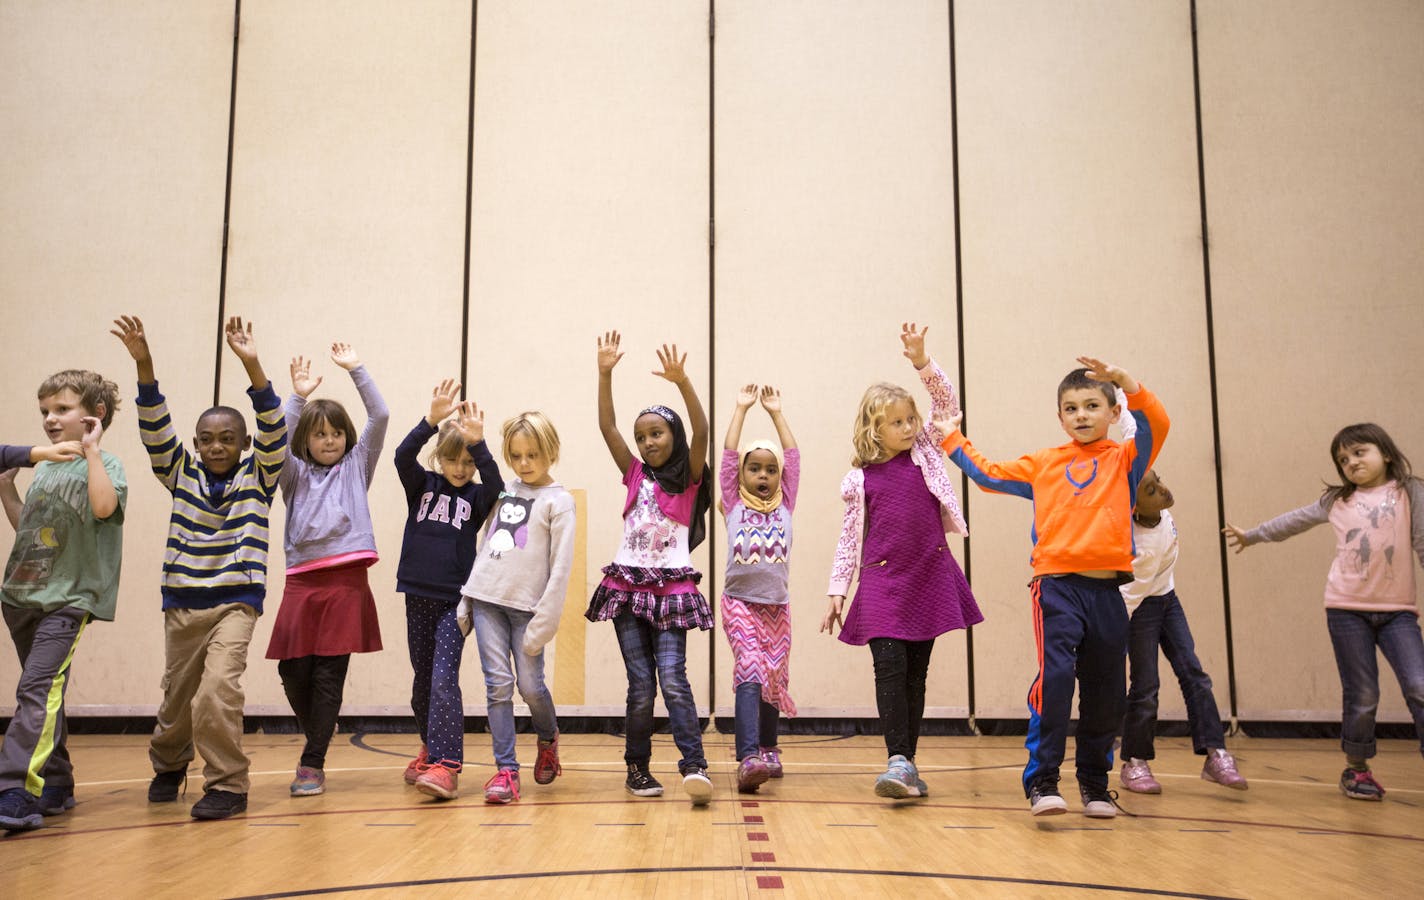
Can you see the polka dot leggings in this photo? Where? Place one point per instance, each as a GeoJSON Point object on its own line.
{"type": "Point", "coordinates": [436, 647]}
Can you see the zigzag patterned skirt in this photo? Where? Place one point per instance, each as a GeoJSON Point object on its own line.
{"type": "Point", "coordinates": [760, 635]}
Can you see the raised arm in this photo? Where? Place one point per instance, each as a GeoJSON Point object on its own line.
{"type": "Point", "coordinates": [771, 402]}
{"type": "Point", "coordinates": [129, 329]}
{"type": "Point", "coordinates": [471, 423]}
{"type": "Point", "coordinates": [10, 497]}
{"type": "Point", "coordinates": [244, 346]}
{"type": "Point", "coordinates": [443, 401]}
{"type": "Point", "coordinates": [608, 356]}
{"type": "Point", "coordinates": [378, 415]}
{"type": "Point", "coordinates": [745, 398]}
{"type": "Point", "coordinates": [103, 496]}
{"type": "Point", "coordinates": [674, 369]}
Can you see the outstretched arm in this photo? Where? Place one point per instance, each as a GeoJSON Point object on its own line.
{"type": "Point", "coordinates": [244, 347]}
{"type": "Point", "coordinates": [745, 398]}
{"type": "Point", "coordinates": [129, 329]}
{"type": "Point", "coordinates": [608, 356]}
{"type": "Point", "coordinates": [674, 370]}
{"type": "Point", "coordinates": [771, 402]}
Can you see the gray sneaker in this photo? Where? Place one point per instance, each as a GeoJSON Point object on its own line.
{"type": "Point", "coordinates": [900, 780]}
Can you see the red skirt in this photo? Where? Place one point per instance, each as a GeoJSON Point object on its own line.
{"type": "Point", "coordinates": [326, 612]}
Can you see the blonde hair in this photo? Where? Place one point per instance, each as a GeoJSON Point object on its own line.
{"type": "Point", "coordinates": [871, 416]}
{"type": "Point", "coordinates": [449, 444]}
{"type": "Point", "coordinates": [537, 427]}
{"type": "Point", "coordinates": [93, 389]}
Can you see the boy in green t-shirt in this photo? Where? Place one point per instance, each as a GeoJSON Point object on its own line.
{"type": "Point", "coordinates": [63, 572]}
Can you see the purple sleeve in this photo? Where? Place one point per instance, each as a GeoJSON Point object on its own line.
{"type": "Point", "coordinates": [13, 457]}
{"type": "Point", "coordinates": [790, 478]}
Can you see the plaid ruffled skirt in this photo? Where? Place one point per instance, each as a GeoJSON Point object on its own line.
{"type": "Point", "coordinates": [664, 598]}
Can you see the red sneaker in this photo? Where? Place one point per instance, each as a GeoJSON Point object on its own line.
{"type": "Point", "coordinates": [546, 764]}
{"type": "Point", "coordinates": [416, 766]}
{"type": "Point", "coordinates": [503, 787]}
{"type": "Point", "coordinates": [439, 781]}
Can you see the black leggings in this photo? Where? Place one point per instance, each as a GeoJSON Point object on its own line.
{"type": "Point", "coordinates": [314, 686]}
{"type": "Point", "coordinates": [900, 671]}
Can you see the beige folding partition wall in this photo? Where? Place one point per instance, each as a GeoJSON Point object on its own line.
{"type": "Point", "coordinates": [1081, 235]}
{"type": "Point", "coordinates": [115, 124]}
{"type": "Point", "coordinates": [834, 225]}
{"type": "Point", "coordinates": [1315, 179]}
{"type": "Point", "coordinates": [590, 214]}
{"type": "Point", "coordinates": [348, 193]}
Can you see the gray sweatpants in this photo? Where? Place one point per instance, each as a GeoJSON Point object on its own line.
{"type": "Point", "coordinates": [34, 754]}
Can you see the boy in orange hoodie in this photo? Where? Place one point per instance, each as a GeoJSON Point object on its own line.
{"type": "Point", "coordinates": [1082, 494]}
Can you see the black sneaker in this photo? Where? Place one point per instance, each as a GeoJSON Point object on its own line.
{"type": "Point", "coordinates": [1098, 802]}
{"type": "Point", "coordinates": [641, 783]}
{"type": "Point", "coordinates": [56, 800]}
{"type": "Point", "coordinates": [219, 805]}
{"type": "Point", "coordinates": [164, 786]}
{"type": "Point", "coordinates": [1044, 799]}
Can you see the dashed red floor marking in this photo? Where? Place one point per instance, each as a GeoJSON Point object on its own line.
{"type": "Point", "coordinates": [763, 857]}
{"type": "Point", "coordinates": [749, 804]}
{"type": "Point", "coordinates": [753, 820]}
{"type": "Point", "coordinates": [758, 836]}
{"type": "Point", "coordinates": [769, 882]}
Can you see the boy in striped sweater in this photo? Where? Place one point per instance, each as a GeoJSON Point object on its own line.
{"type": "Point", "coordinates": [214, 571]}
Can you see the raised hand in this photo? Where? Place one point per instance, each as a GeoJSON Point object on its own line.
{"type": "Point", "coordinates": [914, 340]}
{"type": "Point", "coordinates": [608, 354]}
{"type": "Point", "coordinates": [60, 452]}
{"type": "Point", "coordinates": [443, 401]}
{"type": "Point", "coordinates": [1235, 537]}
{"type": "Point", "coordinates": [747, 396]}
{"type": "Point", "coordinates": [344, 355]}
{"type": "Point", "coordinates": [240, 339]}
{"type": "Point", "coordinates": [129, 329]}
{"type": "Point", "coordinates": [302, 382]}
{"type": "Point", "coordinates": [471, 422]}
{"type": "Point", "coordinates": [948, 425]}
{"type": "Point", "coordinates": [93, 433]}
{"type": "Point", "coordinates": [672, 364]}
{"type": "Point", "coordinates": [770, 399]}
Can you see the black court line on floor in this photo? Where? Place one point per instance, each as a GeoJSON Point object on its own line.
{"type": "Point", "coordinates": [749, 870]}
{"type": "Point", "coordinates": [432, 806]}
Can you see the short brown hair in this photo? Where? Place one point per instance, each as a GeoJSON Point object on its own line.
{"type": "Point", "coordinates": [93, 389]}
{"type": "Point", "coordinates": [313, 414]}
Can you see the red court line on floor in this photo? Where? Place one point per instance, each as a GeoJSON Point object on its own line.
{"type": "Point", "coordinates": [763, 857]}
{"type": "Point", "coordinates": [769, 882]}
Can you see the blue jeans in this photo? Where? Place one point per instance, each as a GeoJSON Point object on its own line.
{"type": "Point", "coordinates": [1160, 621]}
{"type": "Point", "coordinates": [650, 656]}
{"type": "Point", "coordinates": [756, 721]}
{"type": "Point", "coordinates": [499, 632]}
{"type": "Point", "coordinates": [1355, 636]}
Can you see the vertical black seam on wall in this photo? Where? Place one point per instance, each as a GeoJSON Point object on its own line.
{"type": "Point", "coordinates": [1211, 367]}
{"type": "Point", "coordinates": [469, 203]}
{"type": "Point", "coordinates": [711, 336]}
{"type": "Point", "coordinates": [959, 330]}
{"type": "Point", "coordinates": [227, 201]}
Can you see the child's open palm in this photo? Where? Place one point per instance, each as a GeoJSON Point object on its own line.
{"type": "Point", "coordinates": [608, 354]}
{"type": "Point", "coordinates": [129, 329]}
{"type": "Point", "coordinates": [240, 339]}
{"type": "Point", "coordinates": [949, 424]}
{"type": "Point", "coordinates": [747, 396]}
{"type": "Point", "coordinates": [673, 364]}
{"type": "Point", "coordinates": [914, 340]}
{"type": "Point", "coordinates": [770, 399]}
{"type": "Point", "coordinates": [344, 355]}
{"type": "Point", "coordinates": [471, 423]}
{"type": "Point", "coordinates": [443, 401]}
{"type": "Point", "coordinates": [302, 381]}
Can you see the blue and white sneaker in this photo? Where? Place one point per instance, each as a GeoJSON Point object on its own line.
{"type": "Point", "coordinates": [19, 810]}
{"type": "Point", "coordinates": [56, 800]}
{"type": "Point", "coordinates": [900, 780]}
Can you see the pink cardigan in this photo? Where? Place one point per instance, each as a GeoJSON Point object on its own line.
{"type": "Point", "coordinates": [926, 454]}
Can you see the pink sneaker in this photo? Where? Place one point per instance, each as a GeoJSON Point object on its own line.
{"type": "Point", "coordinates": [503, 787]}
{"type": "Point", "coordinates": [1137, 777]}
{"type": "Point", "coordinates": [772, 757]}
{"type": "Point", "coordinates": [1221, 768]}
{"type": "Point", "coordinates": [752, 774]}
{"type": "Point", "coordinates": [439, 781]}
{"type": "Point", "coordinates": [417, 765]}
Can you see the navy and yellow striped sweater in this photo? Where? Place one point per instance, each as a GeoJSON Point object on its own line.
{"type": "Point", "coordinates": [217, 548]}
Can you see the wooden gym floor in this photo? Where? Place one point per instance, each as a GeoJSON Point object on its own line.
{"type": "Point", "coordinates": [819, 832]}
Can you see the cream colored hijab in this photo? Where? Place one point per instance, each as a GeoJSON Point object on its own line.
{"type": "Point", "coordinates": [750, 500]}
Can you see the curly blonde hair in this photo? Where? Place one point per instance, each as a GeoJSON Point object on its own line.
{"type": "Point", "coordinates": [871, 416]}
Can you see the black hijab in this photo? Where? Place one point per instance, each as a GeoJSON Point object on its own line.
{"type": "Point", "coordinates": [675, 475]}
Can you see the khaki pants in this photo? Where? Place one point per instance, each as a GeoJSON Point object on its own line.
{"type": "Point", "coordinates": [206, 652]}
